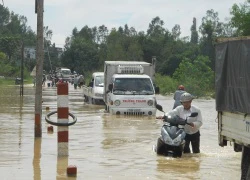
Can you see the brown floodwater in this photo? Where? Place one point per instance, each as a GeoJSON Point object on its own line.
{"type": "Point", "coordinates": [103, 146]}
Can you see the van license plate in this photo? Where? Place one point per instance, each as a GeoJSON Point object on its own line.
{"type": "Point", "coordinates": [134, 110]}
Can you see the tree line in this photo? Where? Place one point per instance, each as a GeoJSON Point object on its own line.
{"type": "Point", "coordinates": [180, 60]}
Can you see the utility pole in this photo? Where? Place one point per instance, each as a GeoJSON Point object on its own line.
{"type": "Point", "coordinates": [39, 67]}
{"type": "Point", "coordinates": [22, 59]}
{"type": "Point", "coordinates": [154, 65]}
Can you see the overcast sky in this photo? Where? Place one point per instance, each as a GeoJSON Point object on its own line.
{"type": "Point", "coordinates": [61, 16]}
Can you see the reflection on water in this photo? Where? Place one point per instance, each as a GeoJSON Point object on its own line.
{"type": "Point", "coordinates": [37, 157]}
{"type": "Point", "coordinates": [103, 146]}
{"type": "Point", "coordinates": [185, 167]}
{"type": "Point", "coordinates": [62, 164]}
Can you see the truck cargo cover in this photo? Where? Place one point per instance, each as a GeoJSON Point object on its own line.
{"type": "Point", "coordinates": [232, 76]}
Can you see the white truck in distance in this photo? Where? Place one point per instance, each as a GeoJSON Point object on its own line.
{"type": "Point", "coordinates": [93, 92]}
{"type": "Point", "coordinates": [64, 73]}
{"type": "Point", "coordinates": [129, 88]}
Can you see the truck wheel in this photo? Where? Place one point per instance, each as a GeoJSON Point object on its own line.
{"type": "Point", "coordinates": [85, 98]}
{"type": "Point", "coordinates": [237, 147]}
{"type": "Point", "coordinates": [245, 165]}
{"type": "Point", "coordinates": [248, 173]}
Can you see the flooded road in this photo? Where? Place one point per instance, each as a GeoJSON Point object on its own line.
{"type": "Point", "coordinates": [103, 146]}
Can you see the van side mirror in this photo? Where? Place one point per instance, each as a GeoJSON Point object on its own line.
{"type": "Point", "coordinates": [110, 87]}
{"type": "Point", "coordinates": [157, 90]}
{"type": "Point", "coordinates": [91, 84]}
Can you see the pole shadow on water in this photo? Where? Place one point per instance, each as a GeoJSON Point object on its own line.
{"type": "Point", "coordinates": [37, 158]}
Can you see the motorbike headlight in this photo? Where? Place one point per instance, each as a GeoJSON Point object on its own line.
{"type": "Point", "coordinates": [150, 102]}
{"type": "Point", "coordinates": [117, 102]}
{"type": "Point", "coordinates": [167, 139]}
{"type": "Point", "coordinates": [177, 140]}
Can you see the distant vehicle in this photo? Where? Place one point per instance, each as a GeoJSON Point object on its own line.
{"type": "Point", "coordinates": [93, 92]}
{"type": "Point", "coordinates": [64, 73]}
{"type": "Point", "coordinates": [18, 81]}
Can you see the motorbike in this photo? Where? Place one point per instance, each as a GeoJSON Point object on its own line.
{"type": "Point", "coordinates": [172, 139]}
{"type": "Point", "coordinates": [18, 81]}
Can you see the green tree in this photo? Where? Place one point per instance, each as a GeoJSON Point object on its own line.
{"type": "Point", "coordinates": [156, 28]}
{"type": "Point", "coordinates": [102, 34]}
{"type": "Point", "coordinates": [194, 33]}
{"type": "Point", "coordinates": [210, 29]}
{"type": "Point", "coordinates": [115, 46]}
{"type": "Point", "coordinates": [134, 52]}
{"type": "Point", "coordinates": [81, 56]}
{"type": "Point", "coordinates": [176, 32]}
{"type": "Point", "coordinates": [241, 19]}
{"type": "Point", "coordinates": [196, 75]}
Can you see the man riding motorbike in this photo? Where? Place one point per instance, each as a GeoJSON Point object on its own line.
{"type": "Point", "coordinates": [193, 128]}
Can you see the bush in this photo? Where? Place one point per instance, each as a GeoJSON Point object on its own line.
{"type": "Point", "coordinates": [197, 76]}
{"type": "Point", "coordinates": [166, 84]}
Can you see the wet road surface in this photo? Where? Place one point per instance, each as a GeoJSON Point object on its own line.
{"type": "Point", "coordinates": [103, 146]}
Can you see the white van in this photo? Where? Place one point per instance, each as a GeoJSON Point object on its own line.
{"type": "Point", "coordinates": [129, 89]}
{"type": "Point", "coordinates": [64, 73]}
{"type": "Point", "coordinates": [93, 92]}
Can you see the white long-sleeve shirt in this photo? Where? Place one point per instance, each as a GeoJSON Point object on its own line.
{"type": "Point", "coordinates": [183, 113]}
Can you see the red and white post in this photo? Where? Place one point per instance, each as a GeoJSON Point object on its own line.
{"type": "Point", "coordinates": [62, 117]}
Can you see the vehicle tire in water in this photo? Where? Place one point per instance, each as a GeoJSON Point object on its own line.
{"type": "Point", "coordinates": [85, 98]}
{"type": "Point", "coordinates": [178, 153]}
{"type": "Point", "coordinates": [159, 146]}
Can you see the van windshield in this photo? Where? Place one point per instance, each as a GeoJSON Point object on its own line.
{"type": "Point", "coordinates": [66, 72]}
{"type": "Point", "coordinates": [99, 81]}
{"type": "Point", "coordinates": [141, 86]}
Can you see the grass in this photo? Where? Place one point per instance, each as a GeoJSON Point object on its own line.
{"type": "Point", "coordinates": [11, 81]}
{"type": "Point", "coordinates": [4, 82]}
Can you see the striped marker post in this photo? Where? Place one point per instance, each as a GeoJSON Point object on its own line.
{"type": "Point", "coordinates": [62, 117]}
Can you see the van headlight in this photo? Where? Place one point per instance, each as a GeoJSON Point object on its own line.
{"type": "Point", "coordinates": [117, 102]}
{"type": "Point", "coordinates": [150, 102]}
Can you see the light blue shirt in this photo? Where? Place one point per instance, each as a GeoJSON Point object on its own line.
{"type": "Point", "coordinates": [177, 97]}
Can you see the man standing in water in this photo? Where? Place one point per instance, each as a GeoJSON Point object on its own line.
{"type": "Point", "coordinates": [193, 129]}
{"type": "Point", "coordinates": [177, 95]}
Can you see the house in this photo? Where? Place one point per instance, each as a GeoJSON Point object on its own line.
{"type": "Point", "coordinates": [30, 52]}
